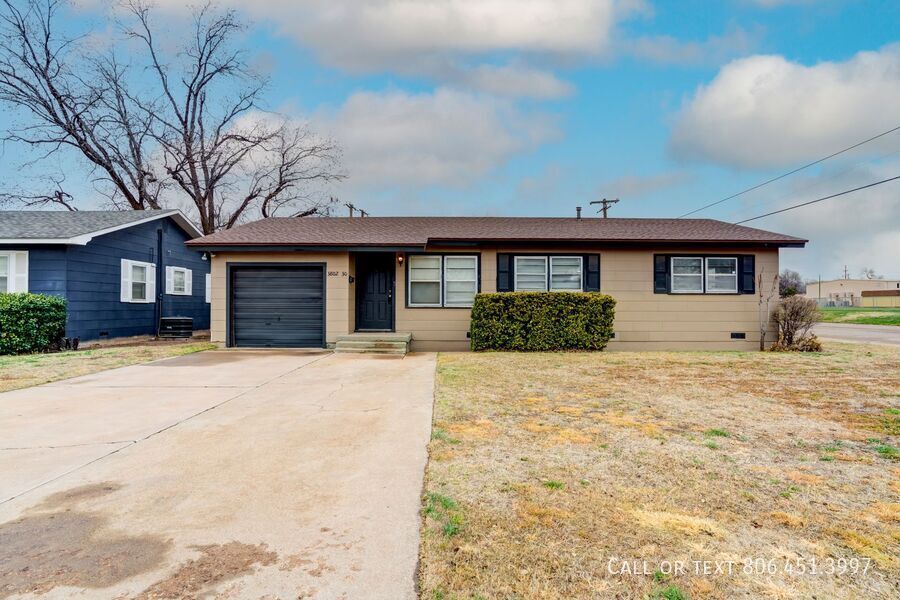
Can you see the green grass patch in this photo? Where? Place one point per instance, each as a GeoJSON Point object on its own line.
{"type": "Point", "coordinates": [670, 592]}
{"type": "Point", "coordinates": [861, 316]}
{"type": "Point", "coordinates": [716, 433]}
{"type": "Point", "coordinates": [886, 450]}
{"type": "Point", "coordinates": [711, 445]}
{"type": "Point", "coordinates": [445, 512]}
{"type": "Point", "coordinates": [442, 435]}
{"type": "Point", "coordinates": [553, 485]}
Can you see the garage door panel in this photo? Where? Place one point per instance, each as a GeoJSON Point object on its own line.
{"type": "Point", "coordinates": [278, 306]}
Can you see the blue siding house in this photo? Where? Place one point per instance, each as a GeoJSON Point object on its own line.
{"type": "Point", "coordinates": [120, 271]}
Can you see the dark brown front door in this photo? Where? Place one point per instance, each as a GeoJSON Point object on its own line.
{"type": "Point", "coordinates": [375, 292]}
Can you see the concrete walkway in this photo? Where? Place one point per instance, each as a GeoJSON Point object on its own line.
{"type": "Point", "coordinates": [236, 474]}
{"type": "Point", "coordinates": [864, 334]}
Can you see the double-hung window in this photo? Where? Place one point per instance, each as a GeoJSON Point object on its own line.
{"type": "Point", "coordinates": [721, 275]}
{"type": "Point", "coordinates": [442, 280]}
{"type": "Point", "coordinates": [138, 281]}
{"type": "Point", "coordinates": [553, 273]}
{"type": "Point", "coordinates": [687, 275]}
{"type": "Point", "coordinates": [425, 280]}
{"type": "Point", "coordinates": [179, 281]}
{"type": "Point", "coordinates": [460, 280]}
{"type": "Point", "coordinates": [565, 274]}
{"type": "Point", "coordinates": [14, 271]}
{"type": "Point", "coordinates": [4, 273]}
{"type": "Point", "coordinates": [531, 274]}
{"type": "Point", "coordinates": [709, 275]}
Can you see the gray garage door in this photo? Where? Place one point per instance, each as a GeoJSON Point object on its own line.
{"type": "Point", "coordinates": [278, 307]}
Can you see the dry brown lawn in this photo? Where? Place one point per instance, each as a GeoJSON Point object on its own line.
{"type": "Point", "coordinates": [27, 370]}
{"type": "Point", "coordinates": [547, 471]}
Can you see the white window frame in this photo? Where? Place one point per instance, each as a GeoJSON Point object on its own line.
{"type": "Point", "coordinates": [530, 257]}
{"type": "Point", "coordinates": [125, 281]}
{"type": "Point", "coordinates": [580, 275]}
{"type": "Point", "coordinates": [207, 281]}
{"type": "Point", "coordinates": [439, 281]}
{"type": "Point", "coordinates": [701, 275]}
{"type": "Point", "coordinates": [706, 274]}
{"type": "Point", "coordinates": [444, 279]}
{"type": "Point", "coordinates": [170, 281]}
{"type": "Point", "coordinates": [16, 271]}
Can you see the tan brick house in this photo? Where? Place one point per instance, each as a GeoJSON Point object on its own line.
{"type": "Point", "coordinates": [679, 283]}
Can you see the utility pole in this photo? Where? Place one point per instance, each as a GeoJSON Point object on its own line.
{"type": "Point", "coordinates": [846, 273]}
{"type": "Point", "coordinates": [606, 204]}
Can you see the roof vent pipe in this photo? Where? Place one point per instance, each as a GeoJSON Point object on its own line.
{"type": "Point", "coordinates": [578, 212]}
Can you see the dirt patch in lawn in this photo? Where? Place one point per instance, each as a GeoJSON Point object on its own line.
{"type": "Point", "coordinates": [600, 471]}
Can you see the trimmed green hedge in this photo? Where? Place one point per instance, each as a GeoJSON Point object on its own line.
{"type": "Point", "coordinates": [542, 321]}
{"type": "Point", "coordinates": [30, 322]}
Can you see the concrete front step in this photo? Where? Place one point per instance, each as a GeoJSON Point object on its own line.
{"type": "Point", "coordinates": [374, 343]}
{"type": "Point", "coordinates": [397, 351]}
{"type": "Point", "coordinates": [370, 344]}
{"type": "Point", "coordinates": [375, 336]}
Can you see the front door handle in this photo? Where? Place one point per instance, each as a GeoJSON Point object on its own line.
{"type": "Point", "coordinates": [390, 296]}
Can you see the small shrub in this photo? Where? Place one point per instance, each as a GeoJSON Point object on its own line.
{"type": "Point", "coordinates": [795, 317]}
{"type": "Point", "coordinates": [30, 322]}
{"type": "Point", "coordinates": [542, 321]}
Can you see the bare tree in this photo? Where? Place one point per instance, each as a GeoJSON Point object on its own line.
{"type": "Point", "coordinates": [195, 131]}
{"type": "Point", "coordinates": [790, 283]}
{"type": "Point", "coordinates": [764, 307]}
{"type": "Point", "coordinates": [55, 197]}
{"type": "Point", "coordinates": [227, 159]}
{"type": "Point", "coordinates": [70, 104]}
{"type": "Point", "coordinates": [868, 273]}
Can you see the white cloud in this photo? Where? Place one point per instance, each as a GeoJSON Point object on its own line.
{"type": "Point", "coordinates": [452, 42]}
{"type": "Point", "coordinates": [396, 139]}
{"type": "Point", "coordinates": [714, 50]}
{"type": "Point", "coordinates": [766, 111]}
{"type": "Point", "coordinates": [511, 81]}
{"type": "Point", "coordinates": [367, 34]}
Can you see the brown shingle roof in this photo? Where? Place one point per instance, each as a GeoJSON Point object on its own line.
{"type": "Point", "coordinates": [420, 231]}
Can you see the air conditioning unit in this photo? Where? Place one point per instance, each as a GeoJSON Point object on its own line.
{"type": "Point", "coordinates": [176, 327]}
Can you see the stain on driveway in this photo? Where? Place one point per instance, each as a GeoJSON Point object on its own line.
{"type": "Point", "coordinates": [279, 474]}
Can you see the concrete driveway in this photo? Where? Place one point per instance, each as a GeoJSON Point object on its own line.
{"type": "Point", "coordinates": [862, 334]}
{"type": "Point", "coordinates": [235, 474]}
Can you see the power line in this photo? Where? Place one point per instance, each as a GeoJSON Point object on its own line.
{"type": "Point", "coordinates": [789, 173]}
{"type": "Point", "coordinates": [862, 187]}
{"type": "Point", "coordinates": [818, 183]}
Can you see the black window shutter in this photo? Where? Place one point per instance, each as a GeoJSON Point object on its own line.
{"type": "Point", "coordinates": [660, 274]}
{"type": "Point", "coordinates": [505, 272]}
{"type": "Point", "coordinates": [747, 270]}
{"type": "Point", "coordinates": [592, 273]}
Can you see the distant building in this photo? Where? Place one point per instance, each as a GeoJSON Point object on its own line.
{"type": "Point", "coordinates": [848, 291]}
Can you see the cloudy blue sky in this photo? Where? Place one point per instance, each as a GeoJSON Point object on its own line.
{"type": "Point", "coordinates": [531, 107]}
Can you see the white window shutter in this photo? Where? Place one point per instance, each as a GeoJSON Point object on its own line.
{"type": "Point", "coordinates": [125, 292]}
{"type": "Point", "coordinates": [188, 284]}
{"type": "Point", "coordinates": [170, 280]}
{"type": "Point", "coordinates": [151, 283]}
{"type": "Point", "coordinates": [208, 288]}
{"type": "Point", "coordinates": [19, 272]}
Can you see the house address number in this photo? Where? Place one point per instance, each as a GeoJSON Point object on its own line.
{"type": "Point", "coordinates": [337, 273]}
